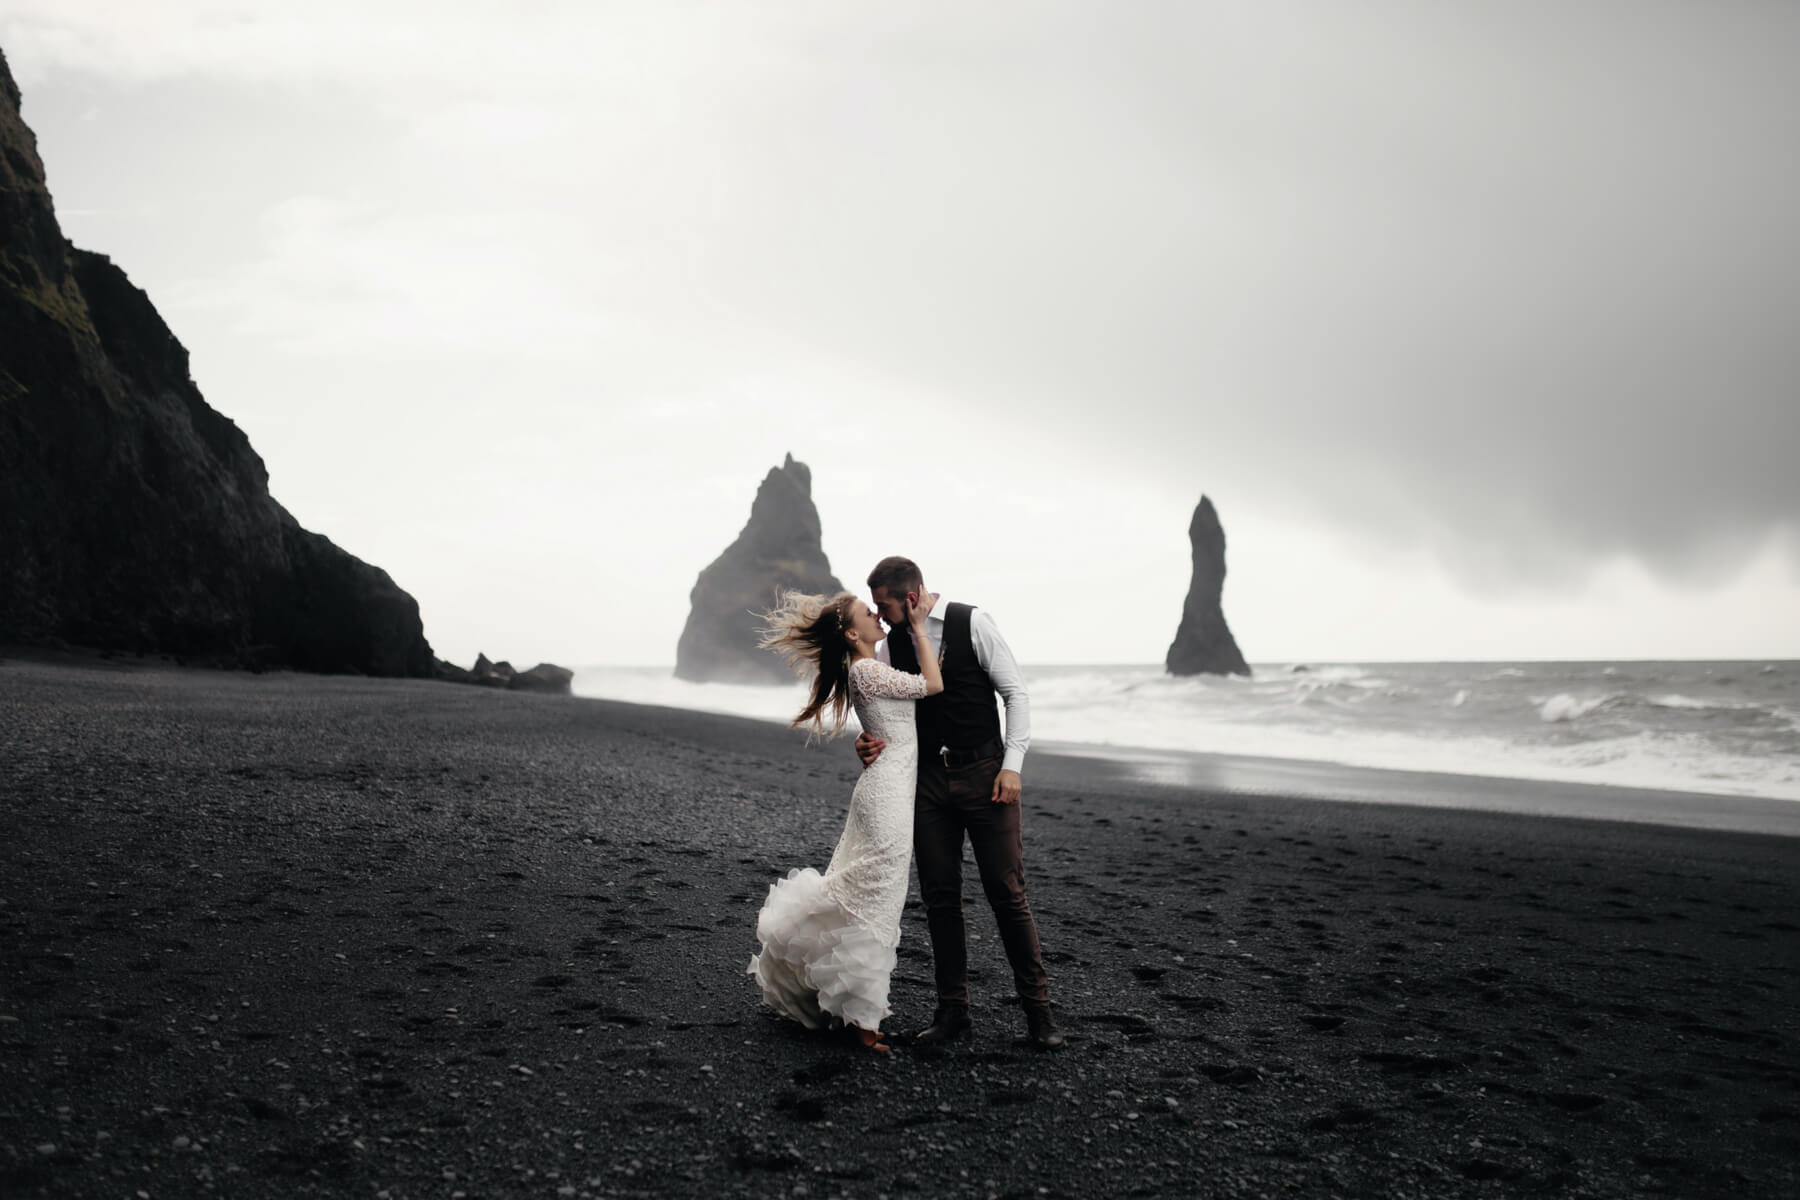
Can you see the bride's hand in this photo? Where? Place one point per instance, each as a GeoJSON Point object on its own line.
{"type": "Point", "coordinates": [918, 608]}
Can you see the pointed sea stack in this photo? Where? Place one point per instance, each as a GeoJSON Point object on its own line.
{"type": "Point", "coordinates": [778, 549]}
{"type": "Point", "coordinates": [132, 516]}
{"type": "Point", "coordinates": [1203, 643]}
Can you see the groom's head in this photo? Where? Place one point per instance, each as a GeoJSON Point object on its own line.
{"type": "Point", "coordinates": [889, 584]}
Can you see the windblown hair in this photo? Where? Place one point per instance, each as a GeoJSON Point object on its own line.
{"type": "Point", "coordinates": [808, 633]}
{"type": "Point", "coordinates": [898, 575]}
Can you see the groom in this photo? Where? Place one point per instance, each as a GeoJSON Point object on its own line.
{"type": "Point", "coordinates": [968, 788]}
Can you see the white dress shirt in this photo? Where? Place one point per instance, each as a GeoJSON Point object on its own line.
{"type": "Point", "coordinates": [996, 658]}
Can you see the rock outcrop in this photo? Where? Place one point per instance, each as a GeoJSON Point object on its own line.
{"type": "Point", "coordinates": [545, 677]}
{"type": "Point", "coordinates": [778, 549]}
{"type": "Point", "coordinates": [1203, 643]}
{"type": "Point", "coordinates": [133, 516]}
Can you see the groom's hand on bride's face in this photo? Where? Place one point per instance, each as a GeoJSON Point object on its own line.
{"type": "Point", "coordinates": [869, 747]}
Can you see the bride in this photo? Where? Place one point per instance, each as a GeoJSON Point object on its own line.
{"type": "Point", "coordinates": [828, 940]}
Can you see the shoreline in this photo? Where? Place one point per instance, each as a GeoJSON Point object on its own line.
{"type": "Point", "coordinates": [1351, 770]}
{"type": "Point", "coordinates": [1322, 780]}
{"type": "Point", "coordinates": [339, 936]}
{"type": "Point", "coordinates": [1318, 779]}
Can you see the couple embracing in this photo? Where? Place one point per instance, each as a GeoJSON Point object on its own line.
{"type": "Point", "coordinates": [937, 770]}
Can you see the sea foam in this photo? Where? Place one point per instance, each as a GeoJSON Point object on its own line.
{"type": "Point", "coordinates": [1564, 707]}
{"type": "Point", "coordinates": [1708, 728]}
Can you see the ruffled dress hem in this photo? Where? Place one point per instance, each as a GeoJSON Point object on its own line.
{"type": "Point", "coordinates": [818, 962]}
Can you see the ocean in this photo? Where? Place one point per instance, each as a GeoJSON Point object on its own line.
{"type": "Point", "coordinates": [1726, 728]}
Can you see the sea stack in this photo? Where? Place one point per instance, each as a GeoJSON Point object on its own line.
{"type": "Point", "coordinates": [1203, 643]}
{"type": "Point", "coordinates": [778, 549]}
{"type": "Point", "coordinates": [132, 516]}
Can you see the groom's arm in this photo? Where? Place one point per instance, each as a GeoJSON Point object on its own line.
{"type": "Point", "coordinates": [996, 658]}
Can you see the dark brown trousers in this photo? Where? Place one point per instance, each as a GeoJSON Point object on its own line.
{"type": "Point", "coordinates": [952, 805]}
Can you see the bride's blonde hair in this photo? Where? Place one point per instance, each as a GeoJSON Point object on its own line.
{"type": "Point", "coordinates": [808, 632]}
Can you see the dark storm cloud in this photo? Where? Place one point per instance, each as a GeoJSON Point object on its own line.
{"type": "Point", "coordinates": [1520, 284]}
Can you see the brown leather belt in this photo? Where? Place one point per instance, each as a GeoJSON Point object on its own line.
{"type": "Point", "coordinates": [969, 756]}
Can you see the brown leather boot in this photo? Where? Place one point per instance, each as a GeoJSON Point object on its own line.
{"type": "Point", "coordinates": [947, 1024]}
{"type": "Point", "coordinates": [1041, 1030]}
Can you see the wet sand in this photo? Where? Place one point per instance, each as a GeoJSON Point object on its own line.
{"type": "Point", "coordinates": [285, 935]}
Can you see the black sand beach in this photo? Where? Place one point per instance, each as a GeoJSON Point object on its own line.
{"type": "Point", "coordinates": [289, 935]}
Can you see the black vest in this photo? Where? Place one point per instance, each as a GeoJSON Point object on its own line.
{"type": "Point", "coordinates": [963, 715]}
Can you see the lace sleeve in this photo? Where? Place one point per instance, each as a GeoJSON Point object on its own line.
{"type": "Point", "coordinates": [875, 678]}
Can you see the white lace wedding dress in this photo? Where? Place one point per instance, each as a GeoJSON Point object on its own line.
{"type": "Point", "coordinates": [828, 940]}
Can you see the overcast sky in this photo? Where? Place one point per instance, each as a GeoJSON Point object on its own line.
{"type": "Point", "coordinates": [1480, 323]}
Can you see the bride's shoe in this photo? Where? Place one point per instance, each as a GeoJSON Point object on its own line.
{"type": "Point", "coordinates": [871, 1038]}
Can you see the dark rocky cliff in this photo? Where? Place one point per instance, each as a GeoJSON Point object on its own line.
{"type": "Point", "coordinates": [1203, 643]}
{"type": "Point", "coordinates": [132, 515]}
{"type": "Point", "coordinates": [779, 548]}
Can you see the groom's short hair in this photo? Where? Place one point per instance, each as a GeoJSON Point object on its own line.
{"type": "Point", "coordinates": [897, 576]}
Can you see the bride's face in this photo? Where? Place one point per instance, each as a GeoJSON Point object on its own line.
{"type": "Point", "coordinates": [865, 626]}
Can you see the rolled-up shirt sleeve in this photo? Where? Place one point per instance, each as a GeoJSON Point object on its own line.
{"type": "Point", "coordinates": [996, 658]}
